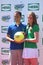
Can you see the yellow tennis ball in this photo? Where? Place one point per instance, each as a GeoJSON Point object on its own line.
{"type": "Point", "coordinates": [18, 36]}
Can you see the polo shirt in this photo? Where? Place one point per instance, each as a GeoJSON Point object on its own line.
{"type": "Point", "coordinates": [12, 29]}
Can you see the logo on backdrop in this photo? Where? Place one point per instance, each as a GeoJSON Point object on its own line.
{"type": "Point", "coordinates": [6, 18]}
{"type": "Point", "coordinates": [37, 16]}
{"type": "Point", "coordinates": [33, 6]}
{"type": "Point", "coordinates": [5, 7]}
{"type": "Point", "coordinates": [5, 51]}
{"type": "Point", "coordinates": [22, 18]}
{"type": "Point", "coordinates": [5, 62]}
{"type": "Point", "coordinates": [4, 29]}
{"type": "Point", "coordinates": [19, 6]}
{"type": "Point", "coordinates": [4, 40]}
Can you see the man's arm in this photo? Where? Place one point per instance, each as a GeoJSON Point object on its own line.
{"type": "Point", "coordinates": [9, 39]}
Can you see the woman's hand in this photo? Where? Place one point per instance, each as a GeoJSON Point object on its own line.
{"type": "Point", "coordinates": [26, 40]}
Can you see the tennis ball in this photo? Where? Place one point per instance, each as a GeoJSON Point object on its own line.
{"type": "Point", "coordinates": [18, 36]}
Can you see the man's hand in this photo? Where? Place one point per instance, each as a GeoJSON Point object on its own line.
{"type": "Point", "coordinates": [19, 41]}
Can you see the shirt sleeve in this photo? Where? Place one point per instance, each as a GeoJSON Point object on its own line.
{"type": "Point", "coordinates": [9, 30]}
{"type": "Point", "coordinates": [36, 28]}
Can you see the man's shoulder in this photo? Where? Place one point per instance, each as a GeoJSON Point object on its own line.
{"type": "Point", "coordinates": [11, 25]}
{"type": "Point", "coordinates": [23, 24]}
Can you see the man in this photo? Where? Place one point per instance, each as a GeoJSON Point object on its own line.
{"type": "Point", "coordinates": [16, 48]}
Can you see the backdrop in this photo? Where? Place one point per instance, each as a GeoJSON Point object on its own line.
{"type": "Point", "coordinates": [7, 10]}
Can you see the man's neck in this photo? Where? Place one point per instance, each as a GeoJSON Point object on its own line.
{"type": "Point", "coordinates": [18, 22]}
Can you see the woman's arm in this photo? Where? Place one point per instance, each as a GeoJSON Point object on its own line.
{"type": "Point", "coordinates": [35, 39]}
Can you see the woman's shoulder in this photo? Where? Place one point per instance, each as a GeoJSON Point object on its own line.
{"type": "Point", "coordinates": [36, 27]}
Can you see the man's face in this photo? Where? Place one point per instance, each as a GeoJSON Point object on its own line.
{"type": "Point", "coordinates": [17, 17]}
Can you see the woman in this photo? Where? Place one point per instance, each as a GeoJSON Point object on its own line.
{"type": "Point", "coordinates": [30, 51]}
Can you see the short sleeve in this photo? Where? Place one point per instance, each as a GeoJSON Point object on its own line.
{"type": "Point", "coordinates": [9, 30]}
{"type": "Point", "coordinates": [36, 28]}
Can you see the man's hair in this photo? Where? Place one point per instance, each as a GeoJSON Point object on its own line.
{"type": "Point", "coordinates": [18, 12]}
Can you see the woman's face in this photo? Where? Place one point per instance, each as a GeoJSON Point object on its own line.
{"type": "Point", "coordinates": [30, 19]}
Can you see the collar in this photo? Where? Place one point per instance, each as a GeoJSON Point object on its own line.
{"type": "Point", "coordinates": [18, 25]}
